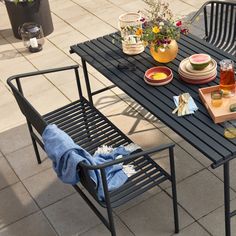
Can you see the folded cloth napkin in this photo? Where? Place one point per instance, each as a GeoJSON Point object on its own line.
{"type": "Point", "coordinates": [190, 108]}
{"type": "Point", "coordinates": [66, 155]}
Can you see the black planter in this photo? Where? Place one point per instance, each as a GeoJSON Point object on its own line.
{"type": "Point", "coordinates": [37, 11]}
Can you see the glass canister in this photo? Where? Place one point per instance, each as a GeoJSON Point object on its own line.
{"type": "Point", "coordinates": [130, 25]}
{"type": "Point", "coordinates": [32, 36]}
{"type": "Point", "coordinates": [227, 80]}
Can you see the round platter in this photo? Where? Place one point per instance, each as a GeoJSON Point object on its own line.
{"type": "Point", "coordinates": [196, 76]}
{"type": "Point", "coordinates": [211, 67]}
{"type": "Point", "coordinates": [203, 81]}
{"type": "Point", "coordinates": [186, 69]}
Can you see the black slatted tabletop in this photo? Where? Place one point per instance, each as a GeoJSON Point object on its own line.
{"type": "Point", "coordinates": [198, 129]}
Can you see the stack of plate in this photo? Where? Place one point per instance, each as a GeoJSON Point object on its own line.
{"type": "Point", "coordinates": [189, 75]}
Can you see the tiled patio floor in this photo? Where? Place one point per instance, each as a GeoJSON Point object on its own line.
{"type": "Point", "coordinates": [33, 202]}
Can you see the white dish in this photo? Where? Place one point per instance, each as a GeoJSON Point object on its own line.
{"type": "Point", "coordinates": [185, 68]}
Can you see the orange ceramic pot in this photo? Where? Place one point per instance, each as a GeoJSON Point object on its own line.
{"type": "Point", "coordinates": [167, 55]}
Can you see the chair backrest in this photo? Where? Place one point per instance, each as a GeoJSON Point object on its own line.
{"type": "Point", "coordinates": [220, 24]}
{"type": "Point", "coordinates": [26, 108]}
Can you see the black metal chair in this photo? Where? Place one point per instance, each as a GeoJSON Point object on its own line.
{"type": "Point", "coordinates": [219, 23]}
{"type": "Point", "coordinates": [90, 129]}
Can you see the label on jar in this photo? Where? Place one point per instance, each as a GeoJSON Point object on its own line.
{"type": "Point", "coordinates": [34, 43]}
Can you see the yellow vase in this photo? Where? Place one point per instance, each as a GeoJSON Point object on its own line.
{"type": "Point", "coordinates": [167, 55]}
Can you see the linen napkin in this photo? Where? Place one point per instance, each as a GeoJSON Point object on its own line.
{"type": "Point", "coordinates": [185, 104]}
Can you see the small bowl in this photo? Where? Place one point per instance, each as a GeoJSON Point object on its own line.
{"type": "Point", "coordinates": [158, 69]}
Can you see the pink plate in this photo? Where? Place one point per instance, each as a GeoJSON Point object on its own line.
{"type": "Point", "coordinates": [159, 83]}
{"type": "Point", "coordinates": [203, 81]}
{"type": "Point", "coordinates": [149, 73]}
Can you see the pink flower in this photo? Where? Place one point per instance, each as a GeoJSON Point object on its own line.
{"type": "Point", "coordinates": [142, 19]}
{"type": "Point", "coordinates": [178, 23]}
{"type": "Point", "coordinates": [184, 31]}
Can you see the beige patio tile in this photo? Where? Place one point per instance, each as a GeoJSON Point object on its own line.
{"type": "Point", "coordinates": [138, 200]}
{"type": "Point", "coordinates": [185, 165]}
{"type": "Point", "coordinates": [71, 216]}
{"type": "Point", "coordinates": [194, 230]}
{"type": "Point", "coordinates": [171, 134]}
{"type": "Point", "coordinates": [91, 31]}
{"type": "Point", "coordinates": [68, 9]}
{"type": "Point", "coordinates": [214, 221]}
{"type": "Point", "coordinates": [65, 40]}
{"type": "Point", "coordinates": [15, 203]}
{"type": "Point", "coordinates": [60, 26]}
{"type": "Point", "coordinates": [154, 215]}
{"type": "Point", "coordinates": [24, 162]}
{"type": "Point", "coordinates": [101, 230]}
{"type": "Point", "coordinates": [35, 224]}
{"type": "Point", "coordinates": [195, 153]}
{"type": "Point", "coordinates": [34, 85]}
{"type": "Point", "coordinates": [20, 64]}
{"type": "Point", "coordinates": [134, 5]}
{"type": "Point", "coordinates": [14, 139]}
{"type": "Point", "coordinates": [8, 176]}
{"type": "Point", "coordinates": [6, 95]}
{"type": "Point", "coordinates": [219, 173]}
{"type": "Point", "coordinates": [49, 57]}
{"type": "Point", "coordinates": [11, 116]}
{"type": "Point", "coordinates": [108, 13]}
{"type": "Point", "coordinates": [48, 100]}
{"type": "Point", "coordinates": [46, 188]}
{"type": "Point", "coordinates": [201, 193]}
{"type": "Point", "coordinates": [69, 87]}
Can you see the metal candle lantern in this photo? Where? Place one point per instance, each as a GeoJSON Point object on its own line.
{"type": "Point", "coordinates": [130, 25]}
{"type": "Point", "coordinates": [32, 36]}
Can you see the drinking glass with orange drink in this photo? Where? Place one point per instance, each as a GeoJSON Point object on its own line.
{"type": "Point", "coordinates": [227, 81]}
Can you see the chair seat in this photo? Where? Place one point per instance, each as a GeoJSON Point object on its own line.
{"type": "Point", "coordinates": [148, 174]}
{"type": "Point", "coordinates": [86, 126]}
{"type": "Point", "coordinates": [91, 129]}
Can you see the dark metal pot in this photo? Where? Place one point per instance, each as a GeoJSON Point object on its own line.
{"type": "Point", "coordinates": [37, 11]}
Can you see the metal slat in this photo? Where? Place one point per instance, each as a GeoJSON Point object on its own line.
{"type": "Point", "coordinates": [129, 184]}
{"type": "Point", "coordinates": [66, 110]}
{"type": "Point", "coordinates": [138, 192]}
{"type": "Point", "coordinates": [136, 185]}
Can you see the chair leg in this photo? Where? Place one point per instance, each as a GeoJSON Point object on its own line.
{"type": "Point", "coordinates": [174, 192]}
{"type": "Point", "coordinates": [111, 220]}
{"type": "Point", "coordinates": [34, 144]}
{"type": "Point", "coordinates": [108, 203]}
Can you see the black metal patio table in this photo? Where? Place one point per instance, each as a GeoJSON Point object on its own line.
{"type": "Point", "coordinates": [127, 72]}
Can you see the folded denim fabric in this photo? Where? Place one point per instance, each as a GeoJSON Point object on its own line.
{"type": "Point", "coordinates": [66, 155]}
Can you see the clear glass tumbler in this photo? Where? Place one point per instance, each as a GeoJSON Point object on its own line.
{"type": "Point", "coordinates": [227, 80]}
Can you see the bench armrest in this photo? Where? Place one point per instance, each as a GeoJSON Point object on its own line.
{"type": "Point", "coordinates": [128, 158]}
{"type": "Point", "coordinates": [40, 72]}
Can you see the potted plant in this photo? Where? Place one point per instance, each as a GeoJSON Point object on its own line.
{"type": "Point", "coordinates": [160, 30]}
{"type": "Point", "coordinates": [22, 11]}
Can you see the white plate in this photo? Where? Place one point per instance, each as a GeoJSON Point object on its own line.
{"type": "Point", "coordinates": [187, 70]}
{"type": "Point", "coordinates": [197, 77]}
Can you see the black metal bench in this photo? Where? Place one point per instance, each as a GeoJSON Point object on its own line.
{"type": "Point", "coordinates": [90, 129]}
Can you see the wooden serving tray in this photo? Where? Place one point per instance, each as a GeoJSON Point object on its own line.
{"type": "Point", "coordinates": [218, 114]}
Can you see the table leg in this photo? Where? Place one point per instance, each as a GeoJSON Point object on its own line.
{"type": "Point", "coordinates": [227, 199]}
{"type": "Point", "coordinates": [87, 80]}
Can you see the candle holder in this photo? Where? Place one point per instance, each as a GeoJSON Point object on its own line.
{"type": "Point", "coordinates": [32, 36]}
{"type": "Point", "coordinates": [130, 25]}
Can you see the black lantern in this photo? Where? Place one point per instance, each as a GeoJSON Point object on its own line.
{"type": "Point", "coordinates": [32, 36]}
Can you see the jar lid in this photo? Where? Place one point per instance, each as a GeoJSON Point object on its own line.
{"type": "Point", "coordinates": [30, 27]}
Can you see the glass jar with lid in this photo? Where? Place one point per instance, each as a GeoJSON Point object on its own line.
{"type": "Point", "coordinates": [32, 36]}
